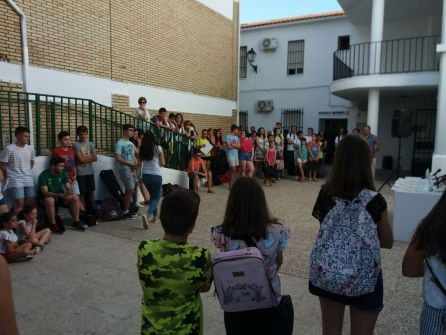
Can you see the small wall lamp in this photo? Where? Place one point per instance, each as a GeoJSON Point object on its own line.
{"type": "Point", "coordinates": [251, 58]}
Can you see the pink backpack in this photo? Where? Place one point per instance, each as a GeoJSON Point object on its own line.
{"type": "Point", "coordinates": [241, 280]}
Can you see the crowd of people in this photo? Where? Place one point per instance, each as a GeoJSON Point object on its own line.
{"type": "Point", "coordinates": [345, 264]}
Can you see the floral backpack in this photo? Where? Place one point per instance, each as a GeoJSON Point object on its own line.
{"type": "Point", "coordinates": [346, 255]}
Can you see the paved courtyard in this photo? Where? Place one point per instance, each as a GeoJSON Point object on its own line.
{"type": "Point", "coordinates": [86, 283]}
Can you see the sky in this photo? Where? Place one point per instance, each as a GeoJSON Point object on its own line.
{"type": "Point", "coordinates": [260, 10]}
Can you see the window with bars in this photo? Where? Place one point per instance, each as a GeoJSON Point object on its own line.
{"type": "Point", "coordinates": [296, 50]}
{"type": "Point", "coordinates": [243, 119]}
{"type": "Point", "coordinates": [243, 62]}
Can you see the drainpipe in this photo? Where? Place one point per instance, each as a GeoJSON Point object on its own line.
{"type": "Point", "coordinates": [25, 61]}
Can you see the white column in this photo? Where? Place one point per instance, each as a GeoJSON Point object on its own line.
{"type": "Point", "coordinates": [376, 35]}
{"type": "Point", "coordinates": [373, 110]}
{"type": "Point", "coordinates": [439, 158]}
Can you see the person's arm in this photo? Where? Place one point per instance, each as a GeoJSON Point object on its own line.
{"type": "Point", "coordinates": [46, 193]}
{"type": "Point", "coordinates": [161, 158]}
{"type": "Point", "coordinates": [190, 166]}
{"type": "Point", "coordinates": [377, 147]}
{"type": "Point", "coordinates": [413, 262]}
{"type": "Point", "coordinates": [3, 169]}
{"type": "Point", "coordinates": [122, 161]}
{"type": "Point", "coordinates": [8, 325]}
{"type": "Point", "coordinates": [2, 176]}
{"type": "Point", "coordinates": [68, 188]}
{"type": "Point", "coordinates": [385, 233]}
{"type": "Point", "coordinates": [23, 228]}
{"type": "Point", "coordinates": [252, 153]}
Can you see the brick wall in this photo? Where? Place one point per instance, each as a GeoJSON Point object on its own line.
{"type": "Point", "coordinates": [10, 86]}
{"type": "Point", "coordinates": [177, 44]}
{"type": "Point", "coordinates": [10, 43]}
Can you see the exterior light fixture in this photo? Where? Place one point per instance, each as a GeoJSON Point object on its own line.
{"type": "Point", "coordinates": [251, 58]}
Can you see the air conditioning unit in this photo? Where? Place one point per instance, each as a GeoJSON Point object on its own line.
{"type": "Point", "coordinates": [271, 43]}
{"type": "Point", "coordinates": [265, 106]}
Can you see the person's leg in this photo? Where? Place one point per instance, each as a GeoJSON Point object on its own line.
{"type": "Point", "coordinates": [127, 199]}
{"type": "Point", "coordinates": [243, 167]}
{"type": "Point", "coordinates": [43, 235]}
{"type": "Point", "coordinates": [332, 316]}
{"type": "Point", "coordinates": [209, 175]}
{"type": "Point", "coordinates": [21, 251]}
{"type": "Point", "coordinates": [145, 193]}
{"type": "Point", "coordinates": [362, 322]}
{"type": "Point", "coordinates": [231, 175]}
{"type": "Point", "coordinates": [18, 205]}
{"type": "Point", "coordinates": [301, 170]}
{"type": "Point", "coordinates": [250, 168]}
{"type": "Point", "coordinates": [155, 190]}
{"type": "Point", "coordinates": [196, 183]}
{"type": "Point", "coordinates": [50, 210]}
{"type": "Point", "coordinates": [74, 207]}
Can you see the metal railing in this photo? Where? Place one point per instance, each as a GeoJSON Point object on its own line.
{"type": "Point", "coordinates": [405, 55]}
{"type": "Point", "coordinates": [52, 114]}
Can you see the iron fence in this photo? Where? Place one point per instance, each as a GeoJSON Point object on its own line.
{"type": "Point", "coordinates": [52, 114]}
{"type": "Point", "coordinates": [405, 55]}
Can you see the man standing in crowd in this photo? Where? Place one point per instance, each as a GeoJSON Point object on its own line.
{"type": "Point", "coordinates": [16, 163]}
{"type": "Point", "coordinates": [374, 145]}
{"type": "Point", "coordinates": [160, 119]}
{"type": "Point", "coordinates": [125, 156]}
{"type": "Point", "coordinates": [292, 141]}
{"type": "Point", "coordinates": [85, 156]}
{"type": "Point", "coordinates": [55, 189]}
{"type": "Point", "coordinates": [232, 142]}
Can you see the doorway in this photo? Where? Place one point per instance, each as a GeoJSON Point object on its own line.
{"type": "Point", "coordinates": [331, 129]}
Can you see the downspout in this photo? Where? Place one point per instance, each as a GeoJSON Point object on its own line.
{"type": "Point", "coordinates": [25, 62]}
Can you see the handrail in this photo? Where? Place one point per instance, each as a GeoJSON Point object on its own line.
{"type": "Point", "coordinates": [53, 113]}
{"type": "Point", "coordinates": [404, 55]}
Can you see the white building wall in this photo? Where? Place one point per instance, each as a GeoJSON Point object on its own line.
{"type": "Point", "coordinates": [309, 90]}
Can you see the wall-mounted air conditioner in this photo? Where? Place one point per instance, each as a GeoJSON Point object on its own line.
{"type": "Point", "coordinates": [270, 43]}
{"type": "Point", "coordinates": [265, 106]}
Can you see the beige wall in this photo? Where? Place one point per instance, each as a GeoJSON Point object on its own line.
{"type": "Point", "coordinates": [176, 44]}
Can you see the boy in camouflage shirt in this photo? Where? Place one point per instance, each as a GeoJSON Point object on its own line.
{"type": "Point", "coordinates": [172, 273]}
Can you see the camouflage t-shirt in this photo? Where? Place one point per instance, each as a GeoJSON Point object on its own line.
{"type": "Point", "coordinates": [171, 275]}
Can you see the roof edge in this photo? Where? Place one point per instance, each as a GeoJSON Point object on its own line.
{"type": "Point", "coordinates": [307, 17]}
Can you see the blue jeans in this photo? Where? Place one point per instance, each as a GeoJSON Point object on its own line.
{"type": "Point", "coordinates": [153, 184]}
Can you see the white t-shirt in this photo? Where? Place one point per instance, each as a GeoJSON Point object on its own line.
{"type": "Point", "coordinates": [6, 235]}
{"type": "Point", "coordinates": [294, 139]}
{"type": "Point", "coordinates": [22, 237]}
{"type": "Point", "coordinates": [18, 165]}
{"type": "Point", "coordinates": [142, 114]}
{"type": "Point", "coordinates": [152, 167]}
{"type": "Point", "coordinates": [431, 293]}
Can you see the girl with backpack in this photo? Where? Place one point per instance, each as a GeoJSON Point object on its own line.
{"type": "Point", "coordinates": [345, 265]}
{"type": "Point", "coordinates": [426, 257]}
{"type": "Point", "coordinates": [248, 222]}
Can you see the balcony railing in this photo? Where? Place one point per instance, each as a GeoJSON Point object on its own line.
{"type": "Point", "coordinates": [405, 55]}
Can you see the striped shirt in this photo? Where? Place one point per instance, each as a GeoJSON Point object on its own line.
{"type": "Point", "coordinates": [18, 165]}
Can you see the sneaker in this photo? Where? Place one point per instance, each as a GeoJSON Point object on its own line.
{"type": "Point", "coordinates": [154, 219]}
{"type": "Point", "coordinates": [57, 230]}
{"type": "Point", "coordinates": [129, 216]}
{"type": "Point", "coordinates": [83, 224]}
{"type": "Point", "coordinates": [77, 225]}
{"type": "Point", "coordinates": [145, 222]}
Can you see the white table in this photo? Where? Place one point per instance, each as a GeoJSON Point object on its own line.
{"type": "Point", "coordinates": [410, 208]}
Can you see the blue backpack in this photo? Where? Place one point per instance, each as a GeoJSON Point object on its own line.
{"type": "Point", "coordinates": [346, 254]}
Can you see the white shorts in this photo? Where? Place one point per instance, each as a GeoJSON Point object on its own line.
{"type": "Point", "coordinates": [233, 161]}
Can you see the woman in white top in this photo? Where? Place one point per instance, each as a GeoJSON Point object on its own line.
{"type": "Point", "coordinates": [260, 149]}
{"type": "Point", "coordinates": [142, 113]}
{"type": "Point", "coordinates": [426, 257]}
{"type": "Point", "coordinates": [152, 158]}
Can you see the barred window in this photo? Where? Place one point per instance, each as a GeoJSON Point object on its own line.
{"type": "Point", "coordinates": [243, 62]}
{"type": "Point", "coordinates": [296, 50]}
{"type": "Point", "coordinates": [243, 119]}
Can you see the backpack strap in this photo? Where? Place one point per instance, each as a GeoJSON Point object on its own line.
{"type": "Point", "coordinates": [435, 278]}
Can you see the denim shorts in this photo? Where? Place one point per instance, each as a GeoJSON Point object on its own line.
{"type": "Point", "coordinates": [22, 192]}
{"type": "Point", "coordinates": [244, 156]}
{"type": "Point", "coordinates": [2, 201]}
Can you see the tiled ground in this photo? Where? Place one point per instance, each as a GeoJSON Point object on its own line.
{"type": "Point", "coordinates": [86, 283]}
